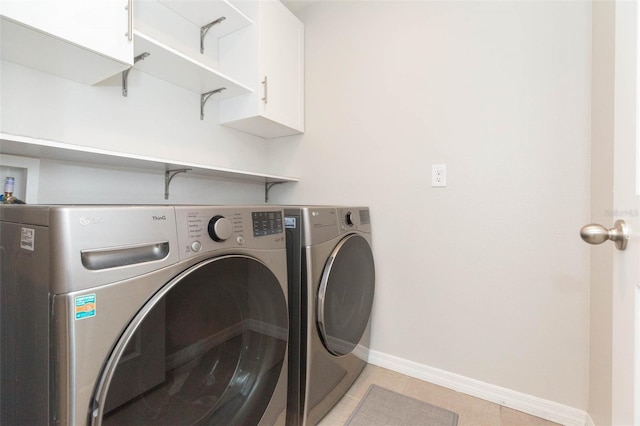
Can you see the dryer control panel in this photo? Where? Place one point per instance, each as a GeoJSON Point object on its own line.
{"type": "Point", "coordinates": [354, 218]}
{"type": "Point", "coordinates": [202, 229]}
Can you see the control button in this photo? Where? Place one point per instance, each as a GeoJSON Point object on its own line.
{"type": "Point", "coordinates": [196, 246]}
{"type": "Point", "coordinates": [240, 239]}
{"type": "Point", "coordinates": [349, 217]}
{"type": "Point", "coordinates": [220, 228]}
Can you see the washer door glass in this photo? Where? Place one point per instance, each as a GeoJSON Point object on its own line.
{"type": "Point", "coordinates": [208, 348]}
{"type": "Point", "coordinates": [345, 296]}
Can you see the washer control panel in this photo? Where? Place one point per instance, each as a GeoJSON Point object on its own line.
{"type": "Point", "coordinates": [202, 228]}
{"type": "Point", "coordinates": [220, 228]}
{"type": "Point", "coordinates": [266, 223]}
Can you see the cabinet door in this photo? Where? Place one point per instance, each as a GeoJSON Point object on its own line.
{"type": "Point", "coordinates": [88, 33]}
{"type": "Point", "coordinates": [268, 56]}
{"type": "Point", "coordinates": [281, 63]}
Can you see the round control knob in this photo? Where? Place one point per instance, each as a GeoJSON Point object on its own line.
{"type": "Point", "coordinates": [349, 218]}
{"type": "Point", "coordinates": [220, 228]}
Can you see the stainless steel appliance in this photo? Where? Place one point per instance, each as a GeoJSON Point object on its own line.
{"type": "Point", "coordinates": [331, 287]}
{"type": "Point", "coordinates": [142, 315]}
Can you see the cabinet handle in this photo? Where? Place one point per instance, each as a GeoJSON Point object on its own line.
{"type": "Point", "coordinates": [265, 84]}
{"type": "Point", "coordinates": [129, 8]}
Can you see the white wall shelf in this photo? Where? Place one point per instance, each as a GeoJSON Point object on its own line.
{"type": "Point", "coordinates": [47, 149]}
{"type": "Point", "coordinates": [175, 67]}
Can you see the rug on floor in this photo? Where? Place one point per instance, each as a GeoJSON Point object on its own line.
{"type": "Point", "coordinates": [382, 407]}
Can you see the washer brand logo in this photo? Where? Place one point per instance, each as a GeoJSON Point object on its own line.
{"type": "Point", "coordinates": [163, 217]}
{"type": "Point", "coordinates": [85, 220]}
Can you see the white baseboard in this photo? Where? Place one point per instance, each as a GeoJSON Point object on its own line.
{"type": "Point", "coordinates": [529, 404]}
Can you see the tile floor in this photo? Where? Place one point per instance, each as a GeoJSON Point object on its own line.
{"type": "Point", "coordinates": [471, 411]}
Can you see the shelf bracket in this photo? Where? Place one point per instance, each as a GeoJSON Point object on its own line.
{"type": "Point", "coordinates": [204, 30]}
{"type": "Point", "coordinates": [205, 97]}
{"type": "Point", "coordinates": [168, 176]}
{"type": "Point", "coordinates": [267, 188]}
{"type": "Point", "coordinates": [125, 73]}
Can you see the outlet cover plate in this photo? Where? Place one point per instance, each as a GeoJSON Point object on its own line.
{"type": "Point", "coordinates": [438, 175]}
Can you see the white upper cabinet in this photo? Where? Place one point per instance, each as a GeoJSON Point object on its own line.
{"type": "Point", "coordinates": [268, 57]}
{"type": "Point", "coordinates": [85, 41]}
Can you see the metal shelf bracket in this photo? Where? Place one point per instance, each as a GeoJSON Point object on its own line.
{"type": "Point", "coordinates": [204, 30]}
{"type": "Point", "coordinates": [168, 176]}
{"type": "Point", "coordinates": [267, 188]}
{"type": "Point", "coordinates": [205, 97]}
{"type": "Point", "coordinates": [125, 73]}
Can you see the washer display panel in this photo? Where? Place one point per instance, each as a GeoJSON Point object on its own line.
{"type": "Point", "coordinates": [345, 297]}
{"type": "Point", "coordinates": [208, 348]}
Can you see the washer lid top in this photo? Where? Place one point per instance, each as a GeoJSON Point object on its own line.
{"type": "Point", "coordinates": [345, 297]}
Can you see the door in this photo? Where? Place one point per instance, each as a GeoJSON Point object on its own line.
{"type": "Point", "coordinates": [218, 356]}
{"type": "Point", "coordinates": [615, 275]}
{"type": "Point", "coordinates": [626, 265]}
{"type": "Point", "coordinates": [345, 296]}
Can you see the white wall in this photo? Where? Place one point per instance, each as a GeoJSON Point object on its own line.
{"type": "Point", "coordinates": [72, 183]}
{"type": "Point", "coordinates": [486, 278]}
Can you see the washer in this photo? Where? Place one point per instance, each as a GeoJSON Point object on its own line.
{"type": "Point", "coordinates": [143, 315]}
{"type": "Point", "coordinates": [331, 288]}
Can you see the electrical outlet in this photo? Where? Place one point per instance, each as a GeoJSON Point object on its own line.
{"type": "Point", "coordinates": [438, 175]}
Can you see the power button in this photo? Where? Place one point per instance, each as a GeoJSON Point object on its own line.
{"type": "Point", "coordinates": [240, 240]}
{"type": "Point", "coordinates": [196, 246]}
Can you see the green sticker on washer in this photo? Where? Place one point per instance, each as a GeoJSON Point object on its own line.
{"type": "Point", "coordinates": [85, 306]}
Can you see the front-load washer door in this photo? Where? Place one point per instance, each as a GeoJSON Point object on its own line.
{"type": "Point", "coordinates": [345, 295]}
{"type": "Point", "coordinates": [208, 348]}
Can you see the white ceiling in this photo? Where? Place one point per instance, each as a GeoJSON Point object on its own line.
{"type": "Point", "coordinates": [297, 5]}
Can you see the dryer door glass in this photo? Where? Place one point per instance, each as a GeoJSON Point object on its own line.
{"type": "Point", "coordinates": [345, 296]}
{"type": "Point", "coordinates": [208, 348]}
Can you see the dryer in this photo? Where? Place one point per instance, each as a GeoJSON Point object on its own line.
{"type": "Point", "coordinates": [331, 287]}
{"type": "Point", "coordinates": [142, 315]}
